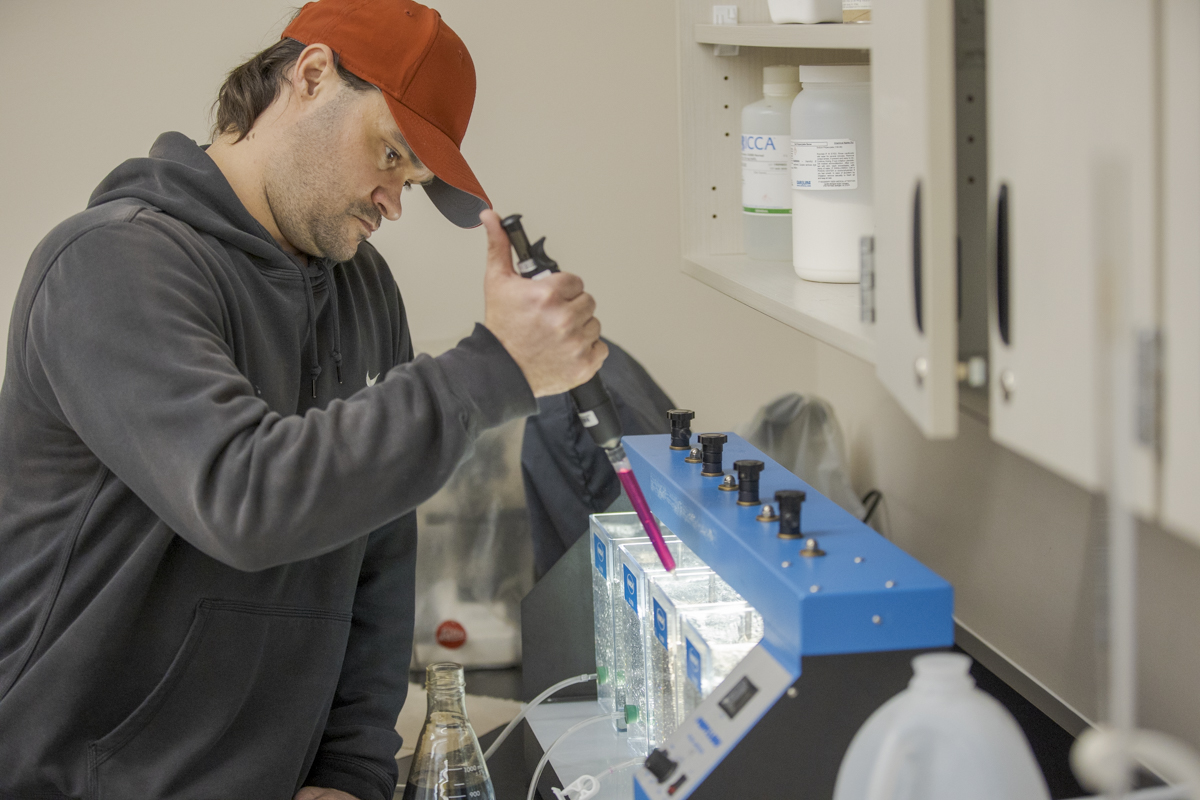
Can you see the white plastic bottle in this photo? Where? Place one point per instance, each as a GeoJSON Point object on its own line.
{"type": "Point", "coordinates": [832, 206]}
{"type": "Point", "coordinates": [940, 739]}
{"type": "Point", "coordinates": [807, 11]}
{"type": "Point", "coordinates": [766, 166]}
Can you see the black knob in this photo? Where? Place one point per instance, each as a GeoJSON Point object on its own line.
{"type": "Point", "coordinates": [748, 471]}
{"type": "Point", "coordinates": [712, 444]}
{"type": "Point", "coordinates": [789, 501]}
{"type": "Point", "coordinates": [681, 431]}
{"type": "Point", "coordinates": [660, 764]}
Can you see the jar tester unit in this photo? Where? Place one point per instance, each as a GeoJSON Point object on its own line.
{"type": "Point", "coordinates": [594, 406]}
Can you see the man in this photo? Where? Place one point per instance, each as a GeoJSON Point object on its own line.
{"type": "Point", "coordinates": [213, 432]}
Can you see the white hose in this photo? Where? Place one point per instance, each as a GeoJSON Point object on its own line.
{"type": "Point", "coordinates": [530, 706]}
{"type": "Point", "coordinates": [1096, 759]}
{"type": "Point", "coordinates": [537, 773]}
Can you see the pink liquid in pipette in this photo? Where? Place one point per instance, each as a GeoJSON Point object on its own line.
{"type": "Point", "coordinates": [648, 522]}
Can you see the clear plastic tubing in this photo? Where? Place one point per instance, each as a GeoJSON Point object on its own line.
{"type": "Point", "coordinates": [532, 705]}
{"type": "Point", "coordinates": [766, 166]}
{"type": "Point", "coordinates": [832, 205]}
{"type": "Point", "coordinates": [537, 773]}
{"type": "Point", "coordinates": [624, 469]}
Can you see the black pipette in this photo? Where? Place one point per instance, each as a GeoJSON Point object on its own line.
{"type": "Point", "coordinates": [592, 403]}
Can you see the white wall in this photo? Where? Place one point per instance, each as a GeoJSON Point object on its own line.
{"type": "Point", "coordinates": [576, 127]}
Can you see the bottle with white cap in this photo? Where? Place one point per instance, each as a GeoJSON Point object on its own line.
{"type": "Point", "coordinates": [766, 164]}
{"type": "Point", "coordinates": [832, 206]}
{"type": "Point", "coordinates": [940, 739]}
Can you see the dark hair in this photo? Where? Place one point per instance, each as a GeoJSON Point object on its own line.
{"type": "Point", "coordinates": [253, 86]}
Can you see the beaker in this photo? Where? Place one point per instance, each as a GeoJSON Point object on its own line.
{"type": "Point", "coordinates": [447, 761]}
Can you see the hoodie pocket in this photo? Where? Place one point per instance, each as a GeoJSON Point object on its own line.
{"type": "Point", "coordinates": [237, 713]}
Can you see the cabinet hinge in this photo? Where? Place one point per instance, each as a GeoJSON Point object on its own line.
{"type": "Point", "coordinates": [1149, 388]}
{"type": "Point", "coordinates": [866, 279]}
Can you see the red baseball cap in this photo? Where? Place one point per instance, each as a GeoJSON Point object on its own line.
{"type": "Point", "coordinates": [426, 75]}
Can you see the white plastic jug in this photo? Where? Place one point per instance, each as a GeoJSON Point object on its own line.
{"type": "Point", "coordinates": [940, 739]}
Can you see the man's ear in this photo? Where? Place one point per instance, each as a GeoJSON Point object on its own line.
{"type": "Point", "coordinates": [315, 73]}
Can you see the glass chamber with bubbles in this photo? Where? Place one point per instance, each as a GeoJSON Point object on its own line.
{"type": "Point", "coordinates": [669, 595]}
{"type": "Point", "coordinates": [639, 561]}
{"type": "Point", "coordinates": [640, 613]}
{"type": "Point", "coordinates": [608, 532]}
{"type": "Point", "coordinates": [715, 639]}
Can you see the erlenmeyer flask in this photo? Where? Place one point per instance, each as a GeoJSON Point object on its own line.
{"type": "Point", "coordinates": [447, 763]}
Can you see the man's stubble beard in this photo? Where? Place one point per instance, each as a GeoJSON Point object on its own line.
{"type": "Point", "coordinates": [301, 183]}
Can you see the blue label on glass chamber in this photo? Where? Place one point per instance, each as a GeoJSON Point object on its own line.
{"type": "Point", "coordinates": [693, 665]}
{"type": "Point", "coordinates": [660, 624]}
{"type": "Point", "coordinates": [630, 589]}
{"type": "Point", "coordinates": [601, 557]}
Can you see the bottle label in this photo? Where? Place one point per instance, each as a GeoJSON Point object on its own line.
{"type": "Point", "coordinates": [660, 624]}
{"type": "Point", "coordinates": [693, 664]}
{"type": "Point", "coordinates": [601, 557]}
{"type": "Point", "coordinates": [824, 164]}
{"type": "Point", "coordinates": [765, 174]}
{"type": "Point", "coordinates": [631, 590]}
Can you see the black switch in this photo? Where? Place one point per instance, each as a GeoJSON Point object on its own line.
{"type": "Point", "coordinates": [748, 471]}
{"type": "Point", "coordinates": [713, 445]}
{"type": "Point", "coordinates": [681, 430]}
{"type": "Point", "coordinates": [789, 501]}
{"type": "Point", "coordinates": [660, 764]}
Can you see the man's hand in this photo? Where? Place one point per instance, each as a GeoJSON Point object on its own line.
{"type": "Point", "coordinates": [317, 793]}
{"type": "Point", "coordinates": [546, 325]}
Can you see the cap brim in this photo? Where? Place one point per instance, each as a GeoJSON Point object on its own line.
{"type": "Point", "coordinates": [455, 191]}
{"type": "Point", "coordinates": [461, 208]}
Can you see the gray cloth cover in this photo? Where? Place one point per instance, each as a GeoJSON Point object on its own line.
{"type": "Point", "coordinates": [567, 476]}
{"type": "Point", "coordinates": [803, 435]}
{"type": "Point", "coordinates": [206, 574]}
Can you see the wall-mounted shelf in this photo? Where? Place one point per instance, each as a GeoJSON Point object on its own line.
{"type": "Point", "coordinates": [825, 311]}
{"type": "Point", "coordinates": [830, 36]}
{"type": "Point", "coordinates": [713, 91]}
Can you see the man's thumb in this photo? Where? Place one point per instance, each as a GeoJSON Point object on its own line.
{"type": "Point", "coordinates": [499, 254]}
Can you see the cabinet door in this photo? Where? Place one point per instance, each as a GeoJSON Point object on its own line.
{"type": "Point", "coordinates": [912, 92]}
{"type": "Point", "coordinates": [1181, 265]}
{"type": "Point", "coordinates": [1071, 140]}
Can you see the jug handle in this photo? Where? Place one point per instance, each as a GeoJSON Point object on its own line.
{"type": "Point", "coordinates": [898, 746]}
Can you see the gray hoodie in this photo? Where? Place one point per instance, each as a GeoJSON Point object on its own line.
{"type": "Point", "coordinates": [206, 572]}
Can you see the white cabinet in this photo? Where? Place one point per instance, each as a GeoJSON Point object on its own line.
{"type": "Point", "coordinates": [913, 109]}
{"type": "Point", "coordinates": [1071, 138]}
{"type": "Point", "coordinates": [713, 89]}
{"type": "Point", "coordinates": [911, 49]}
{"type": "Point", "coordinates": [1180, 510]}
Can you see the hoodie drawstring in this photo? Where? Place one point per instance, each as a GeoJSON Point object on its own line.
{"type": "Point", "coordinates": [314, 368]}
{"type": "Point", "coordinates": [337, 325]}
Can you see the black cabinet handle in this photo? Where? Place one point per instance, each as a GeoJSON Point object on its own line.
{"type": "Point", "coordinates": [918, 304]}
{"type": "Point", "coordinates": [1002, 276]}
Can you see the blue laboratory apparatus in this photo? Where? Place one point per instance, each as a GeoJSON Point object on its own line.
{"type": "Point", "coordinates": [843, 609]}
